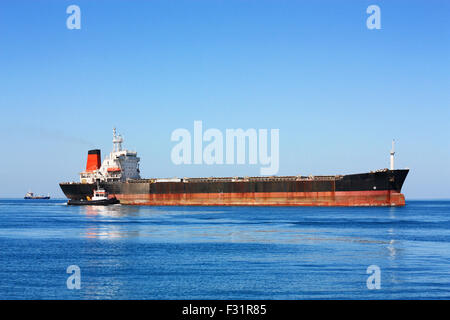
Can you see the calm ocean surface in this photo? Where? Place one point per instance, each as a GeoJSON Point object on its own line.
{"type": "Point", "coordinates": [127, 252]}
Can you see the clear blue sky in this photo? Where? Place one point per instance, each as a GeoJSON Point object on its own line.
{"type": "Point", "coordinates": [337, 91]}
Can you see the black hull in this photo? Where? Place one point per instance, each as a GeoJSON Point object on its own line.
{"type": "Point", "coordinates": [93, 202]}
{"type": "Point", "coordinates": [36, 198]}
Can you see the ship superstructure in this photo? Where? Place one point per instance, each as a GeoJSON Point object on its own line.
{"type": "Point", "coordinates": [120, 165]}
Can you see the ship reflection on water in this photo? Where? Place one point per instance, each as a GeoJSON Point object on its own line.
{"type": "Point", "coordinates": [111, 211]}
{"type": "Point", "coordinates": [106, 222]}
{"type": "Point", "coordinates": [230, 225]}
{"type": "Point", "coordinates": [391, 234]}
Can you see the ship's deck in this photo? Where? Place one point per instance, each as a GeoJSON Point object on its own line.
{"type": "Point", "coordinates": [241, 179]}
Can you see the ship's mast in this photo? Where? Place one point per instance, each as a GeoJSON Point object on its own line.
{"type": "Point", "coordinates": [117, 141]}
{"type": "Point", "coordinates": [392, 154]}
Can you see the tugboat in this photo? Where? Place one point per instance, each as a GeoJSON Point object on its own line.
{"type": "Point", "coordinates": [30, 195]}
{"type": "Point", "coordinates": [100, 198]}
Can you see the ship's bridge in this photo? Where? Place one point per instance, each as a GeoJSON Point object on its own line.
{"type": "Point", "coordinates": [119, 165]}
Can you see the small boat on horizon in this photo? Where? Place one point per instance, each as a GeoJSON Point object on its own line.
{"type": "Point", "coordinates": [30, 195]}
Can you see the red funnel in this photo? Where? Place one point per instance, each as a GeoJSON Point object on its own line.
{"type": "Point", "coordinates": [93, 160]}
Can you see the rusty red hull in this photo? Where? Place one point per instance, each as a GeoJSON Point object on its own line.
{"type": "Point", "coordinates": [344, 199]}
{"type": "Point", "coordinates": [379, 188]}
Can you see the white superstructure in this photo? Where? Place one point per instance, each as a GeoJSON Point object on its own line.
{"type": "Point", "coordinates": [119, 165]}
{"type": "Point", "coordinates": [99, 194]}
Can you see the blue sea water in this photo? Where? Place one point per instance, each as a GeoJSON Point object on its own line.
{"type": "Point", "coordinates": [130, 252]}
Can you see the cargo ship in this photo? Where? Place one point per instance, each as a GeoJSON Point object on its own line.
{"type": "Point", "coordinates": [30, 195]}
{"type": "Point", "coordinates": [119, 176]}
